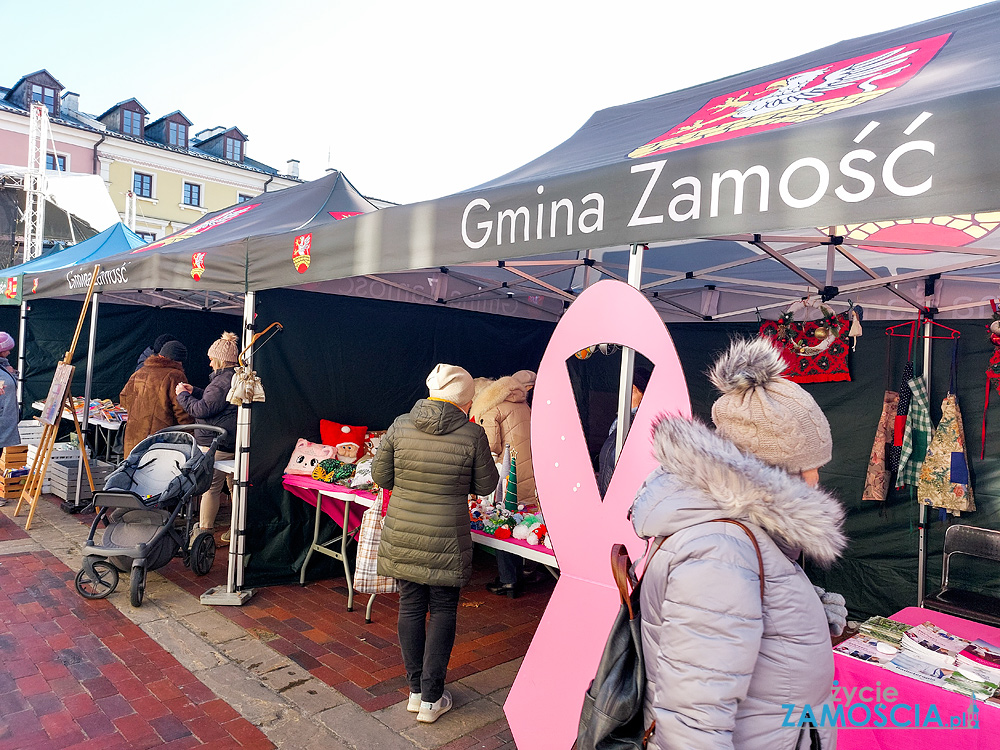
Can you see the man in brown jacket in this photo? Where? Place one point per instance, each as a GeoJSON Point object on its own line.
{"type": "Point", "coordinates": [149, 395]}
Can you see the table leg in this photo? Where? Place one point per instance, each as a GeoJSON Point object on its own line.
{"type": "Point", "coordinates": [315, 542]}
{"type": "Point", "coordinates": [368, 609]}
{"type": "Point", "coordinates": [343, 558]}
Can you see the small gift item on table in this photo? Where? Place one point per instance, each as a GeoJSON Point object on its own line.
{"type": "Point", "coordinates": [306, 456]}
{"type": "Point", "coordinates": [334, 471]}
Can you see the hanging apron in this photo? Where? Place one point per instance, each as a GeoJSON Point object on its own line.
{"type": "Point", "coordinates": [877, 478]}
{"type": "Point", "coordinates": [944, 477]}
{"type": "Point", "coordinates": [916, 434]}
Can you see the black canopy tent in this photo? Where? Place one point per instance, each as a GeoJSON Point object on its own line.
{"type": "Point", "coordinates": [863, 171]}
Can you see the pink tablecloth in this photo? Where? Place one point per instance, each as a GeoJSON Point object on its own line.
{"type": "Point", "coordinates": [853, 674]}
{"type": "Point", "coordinates": [308, 489]}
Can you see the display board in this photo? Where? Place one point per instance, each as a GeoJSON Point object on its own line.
{"type": "Point", "coordinates": [54, 402]}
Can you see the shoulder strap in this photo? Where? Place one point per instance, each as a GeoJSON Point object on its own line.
{"type": "Point", "coordinates": [620, 564]}
{"type": "Point", "coordinates": [756, 547]}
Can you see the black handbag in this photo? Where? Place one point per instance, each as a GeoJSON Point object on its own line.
{"type": "Point", "coordinates": [612, 718]}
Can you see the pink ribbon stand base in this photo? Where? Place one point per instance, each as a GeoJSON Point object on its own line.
{"type": "Point", "coordinates": [543, 708]}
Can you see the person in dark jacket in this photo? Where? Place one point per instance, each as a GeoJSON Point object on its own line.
{"type": "Point", "coordinates": [149, 395]}
{"type": "Point", "coordinates": [210, 406]}
{"type": "Point", "coordinates": [432, 459]}
{"type": "Point", "coordinates": [9, 410]}
{"type": "Point", "coordinates": [158, 343]}
{"type": "Point", "coordinates": [607, 459]}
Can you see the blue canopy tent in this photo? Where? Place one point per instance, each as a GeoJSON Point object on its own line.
{"type": "Point", "coordinates": [115, 239]}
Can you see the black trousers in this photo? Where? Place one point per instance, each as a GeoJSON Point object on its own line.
{"type": "Point", "coordinates": [426, 642]}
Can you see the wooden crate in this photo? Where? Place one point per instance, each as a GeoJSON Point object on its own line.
{"type": "Point", "coordinates": [14, 457]}
{"type": "Point", "coordinates": [11, 491]}
{"type": "Point", "coordinates": [62, 479]}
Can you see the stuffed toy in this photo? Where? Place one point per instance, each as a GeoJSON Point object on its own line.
{"type": "Point", "coordinates": [306, 457]}
{"type": "Point", "coordinates": [362, 479]}
{"type": "Point", "coordinates": [523, 528]}
{"type": "Point", "coordinates": [347, 439]}
{"type": "Point", "coordinates": [536, 533]}
{"type": "Point", "coordinates": [497, 519]}
{"type": "Point", "coordinates": [373, 439]}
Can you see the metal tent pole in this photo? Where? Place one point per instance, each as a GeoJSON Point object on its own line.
{"type": "Point", "coordinates": [922, 518]}
{"type": "Point", "coordinates": [628, 357]}
{"type": "Point", "coordinates": [22, 331]}
{"type": "Point", "coordinates": [85, 421]}
{"type": "Point", "coordinates": [234, 593]}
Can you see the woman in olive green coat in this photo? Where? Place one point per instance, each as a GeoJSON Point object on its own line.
{"type": "Point", "coordinates": [432, 459]}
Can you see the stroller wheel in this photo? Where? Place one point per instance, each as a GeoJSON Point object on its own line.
{"type": "Point", "coordinates": [137, 586]}
{"type": "Point", "coordinates": [202, 553]}
{"type": "Point", "coordinates": [104, 581]}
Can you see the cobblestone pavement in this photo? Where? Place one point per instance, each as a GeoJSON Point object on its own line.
{"type": "Point", "coordinates": [274, 672]}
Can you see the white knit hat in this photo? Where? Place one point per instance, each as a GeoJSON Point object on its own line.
{"type": "Point", "coordinates": [765, 414]}
{"type": "Point", "coordinates": [451, 383]}
{"type": "Point", "coordinates": [525, 378]}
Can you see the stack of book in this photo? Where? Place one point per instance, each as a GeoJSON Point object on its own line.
{"type": "Point", "coordinates": [884, 629]}
{"type": "Point", "coordinates": [863, 647]}
{"type": "Point", "coordinates": [932, 645]}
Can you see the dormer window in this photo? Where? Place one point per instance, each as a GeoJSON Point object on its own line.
{"type": "Point", "coordinates": [234, 149]}
{"type": "Point", "coordinates": [177, 134]}
{"type": "Point", "coordinates": [45, 95]}
{"type": "Point", "coordinates": [132, 122]}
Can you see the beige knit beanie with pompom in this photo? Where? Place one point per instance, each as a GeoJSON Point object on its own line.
{"type": "Point", "coordinates": [224, 349]}
{"type": "Point", "coordinates": [766, 414]}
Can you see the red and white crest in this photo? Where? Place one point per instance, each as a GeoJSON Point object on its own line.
{"type": "Point", "coordinates": [806, 95]}
{"type": "Point", "coordinates": [198, 265]}
{"type": "Point", "coordinates": [300, 252]}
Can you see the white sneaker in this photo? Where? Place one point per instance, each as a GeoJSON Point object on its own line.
{"type": "Point", "coordinates": [430, 712]}
{"type": "Point", "coordinates": [413, 704]}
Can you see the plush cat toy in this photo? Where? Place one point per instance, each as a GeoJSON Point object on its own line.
{"type": "Point", "coordinates": [307, 456]}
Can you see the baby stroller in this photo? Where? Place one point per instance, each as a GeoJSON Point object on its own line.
{"type": "Point", "coordinates": [148, 506]}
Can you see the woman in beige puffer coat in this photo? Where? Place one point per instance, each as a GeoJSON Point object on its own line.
{"type": "Point", "coordinates": [501, 409]}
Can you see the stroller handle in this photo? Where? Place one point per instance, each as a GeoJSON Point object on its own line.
{"type": "Point", "coordinates": [192, 428]}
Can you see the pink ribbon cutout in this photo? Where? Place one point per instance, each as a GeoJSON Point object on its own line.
{"type": "Point", "coordinates": [543, 707]}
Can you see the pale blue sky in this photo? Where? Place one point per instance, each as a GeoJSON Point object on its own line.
{"type": "Point", "coordinates": [413, 100]}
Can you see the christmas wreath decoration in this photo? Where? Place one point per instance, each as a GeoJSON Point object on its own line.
{"type": "Point", "coordinates": [816, 350]}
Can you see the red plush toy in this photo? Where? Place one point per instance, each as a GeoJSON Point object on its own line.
{"type": "Point", "coordinates": [347, 439]}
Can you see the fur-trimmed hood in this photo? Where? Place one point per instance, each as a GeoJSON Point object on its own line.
{"type": "Point", "coordinates": [494, 394]}
{"type": "Point", "coordinates": [704, 477]}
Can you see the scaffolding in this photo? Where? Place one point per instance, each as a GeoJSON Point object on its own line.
{"type": "Point", "coordinates": [34, 182]}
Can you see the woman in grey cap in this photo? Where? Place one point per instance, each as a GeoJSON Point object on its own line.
{"type": "Point", "coordinates": [724, 656]}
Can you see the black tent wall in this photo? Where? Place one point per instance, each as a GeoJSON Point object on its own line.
{"type": "Point", "coordinates": [123, 332]}
{"type": "Point", "coordinates": [878, 573]}
{"type": "Point", "coordinates": [355, 361]}
{"type": "Point", "coordinates": [363, 362]}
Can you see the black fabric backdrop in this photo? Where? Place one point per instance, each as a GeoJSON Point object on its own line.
{"type": "Point", "coordinates": [123, 332]}
{"type": "Point", "coordinates": [360, 362]}
{"type": "Point", "coordinates": [878, 572]}
{"type": "Point", "coordinates": [364, 362]}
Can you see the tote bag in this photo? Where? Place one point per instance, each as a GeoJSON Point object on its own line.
{"type": "Point", "coordinates": [366, 577]}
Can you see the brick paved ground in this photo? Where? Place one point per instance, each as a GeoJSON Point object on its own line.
{"type": "Point", "coordinates": [10, 530]}
{"type": "Point", "coordinates": [311, 625]}
{"type": "Point", "coordinates": [78, 674]}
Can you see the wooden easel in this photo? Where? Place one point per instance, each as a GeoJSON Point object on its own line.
{"type": "Point", "coordinates": [59, 398]}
